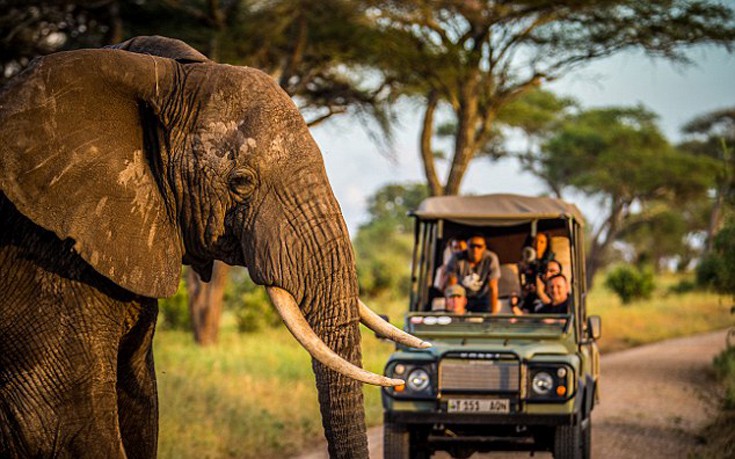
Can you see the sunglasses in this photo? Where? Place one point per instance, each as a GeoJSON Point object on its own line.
{"type": "Point", "coordinates": [477, 246]}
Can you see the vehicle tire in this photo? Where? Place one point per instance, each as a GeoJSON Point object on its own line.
{"type": "Point", "coordinates": [396, 441]}
{"type": "Point", "coordinates": [587, 437]}
{"type": "Point", "coordinates": [568, 442]}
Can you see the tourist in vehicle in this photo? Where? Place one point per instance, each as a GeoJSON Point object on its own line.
{"type": "Point", "coordinates": [478, 271]}
{"type": "Point", "coordinates": [455, 246]}
{"type": "Point", "coordinates": [558, 290]}
{"type": "Point", "coordinates": [455, 299]}
{"type": "Point", "coordinates": [536, 256]}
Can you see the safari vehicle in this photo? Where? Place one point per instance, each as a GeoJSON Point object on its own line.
{"type": "Point", "coordinates": [494, 382]}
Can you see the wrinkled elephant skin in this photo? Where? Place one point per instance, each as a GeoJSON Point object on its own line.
{"type": "Point", "coordinates": [117, 165]}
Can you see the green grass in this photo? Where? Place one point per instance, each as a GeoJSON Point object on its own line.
{"type": "Point", "coordinates": [253, 395]}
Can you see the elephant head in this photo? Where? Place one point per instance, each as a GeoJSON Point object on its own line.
{"type": "Point", "coordinates": [148, 154]}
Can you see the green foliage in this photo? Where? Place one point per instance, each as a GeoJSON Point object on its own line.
{"type": "Point", "coordinates": [249, 303]}
{"type": "Point", "coordinates": [683, 286]}
{"type": "Point", "coordinates": [630, 283]}
{"type": "Point", "coordinates": [174, 311]}
{"type": "Point", "coordinates": [717, 268]}
{"type": "Point", "coordinates": [724, 365]}
{"type": "Point", "coordinates": [384, 245]}
{"type": "Point", "coordinates": [472, 59]}
{"type": "Point", "coordinates": [390, 205]}
{"type": "Point", "coordinates": [659, 231]}
{"type": "Point", "coordinates": [383, 259]}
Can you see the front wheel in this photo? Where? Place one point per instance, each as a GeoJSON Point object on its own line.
{"type": "Point", "coordinates": [396, 441]}
{"type": "Point", "coordinates": [399, 442]}
{"type": "Point", "coordinates": [568, 442]}
{"type": "Point", "coordinates": [587, 437]}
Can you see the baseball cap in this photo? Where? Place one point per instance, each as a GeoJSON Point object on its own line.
{"type": "Point", "coordinates": [454, 290]}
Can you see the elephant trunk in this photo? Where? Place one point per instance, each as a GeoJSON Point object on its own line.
{"type": "Point", "coordinates": [334, 317]}
{"type": "Point", "coordinates": [306, 259]}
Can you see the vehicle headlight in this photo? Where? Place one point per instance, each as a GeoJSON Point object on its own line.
{"type": "Point", "coordinates": [550, 382]}
{"type": "Point", "coordinates": [418, 380]}
{"type": "Point", "coordinates": [542, 383]}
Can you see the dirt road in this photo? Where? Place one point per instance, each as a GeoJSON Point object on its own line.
{"type": "Point", "coordinates": [655, 401]}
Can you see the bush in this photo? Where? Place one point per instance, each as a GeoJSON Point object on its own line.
{"type": "Point", "coordinates": [725, 371]}
{"type": "Point", "coordinates": [174, 311]}
{"type": "Point", "coordinates": [249, 303]}
{"type": "Point", "coordinates": [717, 268]}
{"type": "Point", "coordinates": [630, 283]}
{"type": "Point", "coordinates": [684, 286]}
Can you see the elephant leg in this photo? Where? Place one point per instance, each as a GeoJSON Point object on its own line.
{"type": "Point", "coordinates": [58, 354]}
{"type": "Point", "coordinates": [58, 397]}
{"type": "Point", "coordinates": [136, 388]}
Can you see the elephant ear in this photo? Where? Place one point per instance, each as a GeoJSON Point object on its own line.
{"type": "Point", "coordinates": [75, 159]}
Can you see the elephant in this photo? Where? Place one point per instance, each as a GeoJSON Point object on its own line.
{"type": "Point", "coordinates": [117, 166]}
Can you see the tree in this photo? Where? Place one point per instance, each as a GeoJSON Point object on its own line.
{"type": "Point", "coordinates": [713, 135]}
{"type": "Point", "coordinates": [717, 268]}
{"type": "Point", "coordinates": [619, 157]}
{"type": "Point", "coordinates": [472, 58]}
{"type": "Point", "coordinates": [384, 245]}
{"type": "Point", "coordinates": [660, 232]}
{"type": "Point", "coordinates": [315, 49]}
{"type": "Point", "coordinates": [30, 28]}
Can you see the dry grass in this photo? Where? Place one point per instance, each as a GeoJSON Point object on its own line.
{"type": "Point", "coordinates": [666, 315]}
{"type": "Point", "coordinates": [251, 396]}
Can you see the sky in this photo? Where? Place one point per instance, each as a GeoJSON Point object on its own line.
{"type": "Point", "coordinates": [677, 93]}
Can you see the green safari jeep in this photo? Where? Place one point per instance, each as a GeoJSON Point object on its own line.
{"type": "Point", "coordinates": [494, 382]}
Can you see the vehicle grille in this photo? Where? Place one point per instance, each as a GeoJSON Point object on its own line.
{"type": "Point", "coordinates": [479, 375]}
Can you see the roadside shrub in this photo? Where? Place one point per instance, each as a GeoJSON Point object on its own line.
{"type": "Point", "coordinates": [249, 303]}
{"type": "Point", "coordinates": [725, 371]}
{"type": "Point", "coordinates": [717, 268]}
{"type": "Point", "coordinates": [173, 313]}
{"type": "Point", "coordinates": [630, 283]}
{"type": "Point", "coordinates": [684, 286]}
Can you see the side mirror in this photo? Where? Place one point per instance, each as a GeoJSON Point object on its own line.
{"type": "Point", "coordinates": [379, 336]}
{"type": "Point", "coordinates": [594, 327]}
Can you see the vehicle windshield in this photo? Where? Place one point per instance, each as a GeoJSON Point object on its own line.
{"type": "Point", "coordinates": [522, 267]}
{"type": "Point", "coordinates": [452, 325]}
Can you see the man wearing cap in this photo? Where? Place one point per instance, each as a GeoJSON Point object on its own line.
{"type": "Point", "coordinates": [478, 271]}
{"type": "Point", "coordinates": [456, 299]}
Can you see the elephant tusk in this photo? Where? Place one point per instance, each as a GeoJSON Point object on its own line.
{"type": "Point", "coordinates": [382, 327]}
{"type": "Point", "coordinates": [286, 306]}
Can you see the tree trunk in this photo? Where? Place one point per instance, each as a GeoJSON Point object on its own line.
{"type": "Point", "coordinates": [205, 303]}
{"type": "Point", "coordinates": [465, 146]}
{"type": "Point", "coordinates": [427, 153]}
{"type": "Point", "coordinates": [715, 221]}
{"type": "Point", "coordinates": [603, 239]}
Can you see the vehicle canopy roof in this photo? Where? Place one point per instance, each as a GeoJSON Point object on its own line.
{"type": "Point", "coordinates": [495, 209]}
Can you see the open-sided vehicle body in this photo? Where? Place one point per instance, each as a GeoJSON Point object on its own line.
{"type": "Point", "coordinates": [494, 381]}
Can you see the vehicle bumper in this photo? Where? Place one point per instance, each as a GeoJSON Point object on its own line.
{"type": "Point", "coordinates": [424, 418]}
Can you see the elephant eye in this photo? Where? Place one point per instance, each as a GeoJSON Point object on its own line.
{"type": "Point", "coordinates": [243, 182]}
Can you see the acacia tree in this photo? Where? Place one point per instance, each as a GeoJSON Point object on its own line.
{"type": "Point", "coordinates": [713, 135]}
{"type": "Point", "coordinates": [472, 58]}
{"type": "Point", "coordinates": [619, 157]}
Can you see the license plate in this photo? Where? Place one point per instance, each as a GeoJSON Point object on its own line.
{"type": "Point", "coordinates": [473, 405]}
